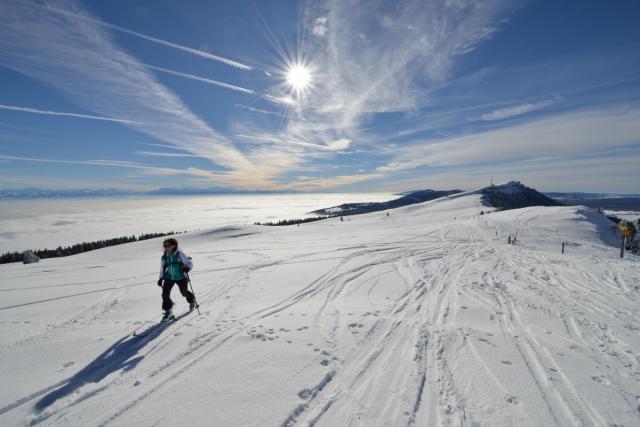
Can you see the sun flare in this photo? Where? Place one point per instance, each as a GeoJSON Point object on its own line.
{"type": "Point", "coordinates": [298, 76]}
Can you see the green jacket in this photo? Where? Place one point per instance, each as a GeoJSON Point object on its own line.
{"type": "Point", "coordinates": [171, 265]}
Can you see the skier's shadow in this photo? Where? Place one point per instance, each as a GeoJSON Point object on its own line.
{"type": "Point", "coordinates": [121, 356]}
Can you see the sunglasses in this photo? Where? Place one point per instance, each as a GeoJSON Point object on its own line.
{"type": "Point", "coordinates": [168, 245]}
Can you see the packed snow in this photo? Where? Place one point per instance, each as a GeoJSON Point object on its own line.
{"type": "Point", "coordinates": [422, 317]}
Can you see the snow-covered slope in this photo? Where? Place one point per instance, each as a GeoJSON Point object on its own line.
{"type": "Point", "coordinates": [424, 317]}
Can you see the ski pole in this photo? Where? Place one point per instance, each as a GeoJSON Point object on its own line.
{"type": "Point", "coordinates": [194, 294]}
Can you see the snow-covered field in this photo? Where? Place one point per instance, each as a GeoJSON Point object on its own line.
{"type": "Point", "coordinates": [49, 223]}
{"type": "Point", "coordinates": [424, 317]}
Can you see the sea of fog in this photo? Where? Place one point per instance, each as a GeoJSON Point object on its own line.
{"type": "Point", "coordinates": [49, 223]}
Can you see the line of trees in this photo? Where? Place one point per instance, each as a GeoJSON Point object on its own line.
{"type": "Point", "coordinates": [294, 221]}
{"type": "Point", "coordinates": [81, 247]}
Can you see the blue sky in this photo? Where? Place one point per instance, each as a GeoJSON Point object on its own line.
{"type": "Point", "coordinates": [383, 96]}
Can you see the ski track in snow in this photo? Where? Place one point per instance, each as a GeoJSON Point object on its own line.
{"type": "Point", "coordinates": [425, 317]}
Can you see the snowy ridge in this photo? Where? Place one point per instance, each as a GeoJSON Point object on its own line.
{"type": "Point", "coordinates": [423, 317]}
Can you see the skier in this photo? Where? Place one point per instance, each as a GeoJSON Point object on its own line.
{"type": "Point", "coordinates": [173, 268]}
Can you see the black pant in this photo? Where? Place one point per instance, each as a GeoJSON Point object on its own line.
{"type": "Point", "coordinates": [183, 285]}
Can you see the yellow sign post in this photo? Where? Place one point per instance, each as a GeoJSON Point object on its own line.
{"type": "Point", "coordinates": [626, 231]}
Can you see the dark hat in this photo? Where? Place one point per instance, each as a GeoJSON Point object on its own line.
{"type": "Point", "coordinates": [171, 241]}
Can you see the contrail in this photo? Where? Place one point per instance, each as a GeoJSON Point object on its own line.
{"type": "Point", "coordinates": [58, 113]}
{"type": "Point", "coordinates": [187, 49]}
{"type": "Point", "coordinates": [257, 110]}
{"type": "Point", "coordinates": [201, 79]}
{"type": "Point", "coordinates": [447, 133]}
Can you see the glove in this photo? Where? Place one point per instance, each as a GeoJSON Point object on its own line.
{"type": "Point", "coordinates": [160, 282]}
{"type": "Point", "coordinates": [185, 269]}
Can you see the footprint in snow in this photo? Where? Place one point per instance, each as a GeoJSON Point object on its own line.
{"type": "Point", "coordinates": [305, 394]}
{"type": "Point", "coordinates": [506, 362]}
{"type": "Point", "coordinates": [601, 379]}
{"type": "Point", "coordinates": [511, 399]}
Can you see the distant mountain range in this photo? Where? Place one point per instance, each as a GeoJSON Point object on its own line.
{"type": "Point", "coordinates": [617, 202]}
{"type": "Point", "coordinates": [588, 196]}
{"type": "Point", "coordinates": [40, 193]}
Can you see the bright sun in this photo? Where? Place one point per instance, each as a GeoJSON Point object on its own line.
{"type": "Point", "coordinates": [298, 77]}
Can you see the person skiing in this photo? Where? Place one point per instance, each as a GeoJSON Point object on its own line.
{"type": "Point", "coordinates": [174, 266]}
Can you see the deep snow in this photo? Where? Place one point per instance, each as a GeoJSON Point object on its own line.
{"type": "Point", "coordinates": [423, 317]}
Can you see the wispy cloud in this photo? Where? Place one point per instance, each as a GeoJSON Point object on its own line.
{"type": "Point", "coordinates": [97, 162]}
{"type": "Point", "coordinates": [380, 60]}
{"type": "Point", "coordinates": [163, 154]}
{"type": "Point", "coordinates": [517, 110]}
{"type": "Point", "coordinates": [568, 134]}
{"type": "Point", "coordinates": [202, 79]}
{"type": "Point", "coordinates": [173, 147]}
{"type": "Point", "coordinates": [307, 183]}
{"type": "Point", "coordinates": [59, 113]}
{"type": "Point", "coordinates": [320, 27]}
{"type": "Point", "coordinates": [548, 174]}
{"type": "Point", "coordinates": [77, 57]}
{"type": "Point", "coordinates": [258, 110]}
{"type": "Point", "coordinates": [337, 145]}
{"type": "Point", "coordinates": [146, 37]}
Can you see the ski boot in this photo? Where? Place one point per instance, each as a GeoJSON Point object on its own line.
{"type": "Point", "coordinates": [167, 316]}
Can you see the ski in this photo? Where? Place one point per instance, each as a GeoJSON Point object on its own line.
{"type": "Point", "coordinates": [161, 324]}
